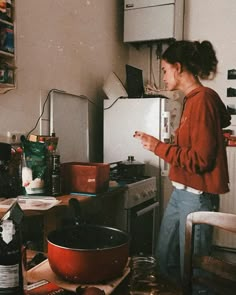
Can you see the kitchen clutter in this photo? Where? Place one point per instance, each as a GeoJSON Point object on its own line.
{"type": "Point", "coordinates": [40, 171]}
{"type": "Point", "coordinates": [51, 177]}
{"type": "Point", "coordinates": [30, 168]}
{"type": "Point", "coordinates": [34, 168]}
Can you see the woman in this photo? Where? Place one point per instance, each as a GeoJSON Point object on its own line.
{"type": "Point", "coordinates": [198, 171]}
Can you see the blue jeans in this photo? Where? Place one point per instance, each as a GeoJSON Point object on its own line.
{"type": "Point", "coordinates": [171, 241]}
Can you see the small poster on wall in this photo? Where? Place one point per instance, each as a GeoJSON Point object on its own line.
{"type": "Point", "coordinates": [231, 92]}
{"type": "Point", "coordinates": [232, 74]}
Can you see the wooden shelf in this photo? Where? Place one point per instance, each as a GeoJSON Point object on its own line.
{"type": "Point", "coordinates": [6, 54]}
{"type": "Point", "coordinates": [6, 22]}
{"type": "Point", "coordinates": [5, 87]}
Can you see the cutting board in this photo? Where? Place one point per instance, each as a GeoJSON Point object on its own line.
{"type": "Point", "coordinates": [43, 271]}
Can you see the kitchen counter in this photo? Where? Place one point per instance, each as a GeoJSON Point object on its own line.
{"type": "Point", "coordinates": [97, 209]}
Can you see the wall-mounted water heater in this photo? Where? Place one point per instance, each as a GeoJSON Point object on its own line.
{"type": "Point", "coordinates": [147, 20]}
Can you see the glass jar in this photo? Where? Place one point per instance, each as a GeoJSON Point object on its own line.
{"type": "Point", "coordinates": [143, 276]}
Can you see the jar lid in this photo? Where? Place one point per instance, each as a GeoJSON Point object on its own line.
{"type": "Point", "coordinates": [5, 151]}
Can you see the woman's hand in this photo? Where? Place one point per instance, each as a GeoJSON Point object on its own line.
{"type": "Point", "coordinates": [149, 142]}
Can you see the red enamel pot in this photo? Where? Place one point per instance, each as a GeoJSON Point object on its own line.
{"type": "Point", "coordinates": [88, 253]}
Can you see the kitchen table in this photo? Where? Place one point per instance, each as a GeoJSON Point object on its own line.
{"type": "Point", "coordinates": [99, 209]}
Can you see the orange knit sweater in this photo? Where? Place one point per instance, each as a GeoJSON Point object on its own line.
{"type": "Point", "coordinates": [198, 155]}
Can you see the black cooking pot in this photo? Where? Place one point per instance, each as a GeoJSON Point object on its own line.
{"type": "Point", "coordinates": [131, 168]}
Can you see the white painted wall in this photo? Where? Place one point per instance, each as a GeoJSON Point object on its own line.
{"type": "Point", "coordinates": [215, 20]}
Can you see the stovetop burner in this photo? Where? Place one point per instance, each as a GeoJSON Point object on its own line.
{"type": "Point", "coordinates": [123, 179]}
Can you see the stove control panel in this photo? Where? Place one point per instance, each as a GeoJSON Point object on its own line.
{"type": "Point", "coordinates": [140, 191]}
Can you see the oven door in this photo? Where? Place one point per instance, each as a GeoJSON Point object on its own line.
{"type": "Point", "coordinates": [142, 225]}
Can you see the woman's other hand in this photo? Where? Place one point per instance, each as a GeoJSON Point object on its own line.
{"type": "Point", "coordinates": [149, 142]}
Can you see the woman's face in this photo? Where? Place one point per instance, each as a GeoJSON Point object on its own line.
{"type": "Point", "coordinates": [170, 75]}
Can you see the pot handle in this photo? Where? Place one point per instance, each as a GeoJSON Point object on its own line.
{"type": "Point", "coordinates": [76, 209]}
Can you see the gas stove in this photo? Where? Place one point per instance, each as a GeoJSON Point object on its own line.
{"type": "Point", "coordinates": [139, 188]}
{"type": "Point", "coordinates": [139, 213]}
{"type": "Point", "coordinates": [140, 191]}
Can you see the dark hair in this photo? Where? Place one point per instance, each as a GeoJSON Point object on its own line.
{"type": "Point", "coordinates": [197, 58]}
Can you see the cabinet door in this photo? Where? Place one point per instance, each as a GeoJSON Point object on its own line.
{"type": "Point", "coordinates": [149, 23]}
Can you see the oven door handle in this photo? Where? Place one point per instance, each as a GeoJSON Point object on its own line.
{"type": "Point", "coordinates": [147, 209]}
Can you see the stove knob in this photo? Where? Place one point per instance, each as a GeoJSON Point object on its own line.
{"type": "Point", "coordinates": [145, 195]}
{"type": "Point", "coordinates": [151, 193]}
{"type": "Point", "coordinates": [136, 197]}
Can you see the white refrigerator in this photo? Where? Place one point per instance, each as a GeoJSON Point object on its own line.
{"type": "Point", "coordinates": [156, 116]}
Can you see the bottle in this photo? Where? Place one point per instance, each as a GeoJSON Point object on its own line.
{"type": "Point", "coordinates": [11, 268]}
{"type": "Point", "coordinates": [4, 180]}
{"type": "Point", "coordinates": [9, 184]}
{"type": "Point", "coordinates": [55, 175]}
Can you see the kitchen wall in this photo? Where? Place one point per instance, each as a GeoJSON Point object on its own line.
{"type": "Point", "coordinates": [65, 44]}
{"type": "Point", "coordinates": [215, 21]}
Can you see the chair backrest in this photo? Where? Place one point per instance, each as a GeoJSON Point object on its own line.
{"type": "Point", "coordinates": [221, 220]}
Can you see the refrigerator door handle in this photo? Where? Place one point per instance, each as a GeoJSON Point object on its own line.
{"type": "Point", "coordinates": [165, 137]}
{"type": "Point", "coordinates": [165, 126]}
{"type": "Point", "coordinates": [164, 168]}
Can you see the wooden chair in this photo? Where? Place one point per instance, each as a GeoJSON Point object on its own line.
{"type": "Point", "coordinates": [223, 273]}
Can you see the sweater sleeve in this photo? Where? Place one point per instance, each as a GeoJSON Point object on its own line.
{"type": "Point", "coordinates": [196, 139]}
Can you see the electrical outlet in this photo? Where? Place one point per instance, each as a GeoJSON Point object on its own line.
{"type": "Point", "coordinates": [14, 136]}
